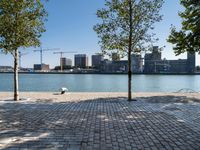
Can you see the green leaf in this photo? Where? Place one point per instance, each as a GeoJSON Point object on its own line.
{"type": "Point", "coordinates": [22, 23]}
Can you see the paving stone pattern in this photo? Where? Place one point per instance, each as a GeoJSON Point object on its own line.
{"type": "Point", "coordinates": [98, 124]}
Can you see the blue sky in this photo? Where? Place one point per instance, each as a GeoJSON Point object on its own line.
{"type": "Point", "coordinates": [70, 28]}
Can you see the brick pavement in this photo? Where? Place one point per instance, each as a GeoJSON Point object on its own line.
{"type": "Point", "coordinates": [98, 124]}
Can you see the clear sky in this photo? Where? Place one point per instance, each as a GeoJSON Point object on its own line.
{"type": "Point", "coordinates": [70, 28]}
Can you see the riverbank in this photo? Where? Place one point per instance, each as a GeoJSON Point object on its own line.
{"type": "Point", "coordinates": [78, 96]}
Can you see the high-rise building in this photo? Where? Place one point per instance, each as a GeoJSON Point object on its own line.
{"type": "Point", "coordinates": [156, 53]}
{"type": "Point", "coordinates": [150, 60]}
{"type": "Point", "coordinates": [81, 60]}
{"type": "Point", "coordinates": [191, 62]}
{"type": "Point", "coordinates": [68, 62]}
{"type": "Point", "coordinates": [96, 60]}
{"type": "Point", "coordinates": [136, 63]}
{"type": "Point", "coordinates": [65, 62]}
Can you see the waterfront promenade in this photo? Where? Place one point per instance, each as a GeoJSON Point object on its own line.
{"type": "Point", "coordinates": [100, 121]}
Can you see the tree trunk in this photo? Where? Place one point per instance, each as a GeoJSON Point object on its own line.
{"type": "Point", "coordinates": [16, 83]}
{"type": "Point", "coordinates": [129, 51]}
{"type": "Point", "coordinates": [129, 77]}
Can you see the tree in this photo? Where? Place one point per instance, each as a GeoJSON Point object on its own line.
{"type": "Point", "coordinates": [21, 25]}
{"type": "Point", "coordinates": [187, 39]}
{"type": "Point", "coordinates": [125, 27]}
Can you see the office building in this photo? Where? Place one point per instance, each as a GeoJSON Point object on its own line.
{"type": "Point", "coordinates": [65, 62]}
{"type": "Point", "coordinates": [6, 68]}
{"type": "Point", "coordinates": [114, 66]}
{"type": "Point", "coordinates": [68, 62]}
{"type": "Point", "coordinates": [152, 59]}
{"type": "Point", "coordinates": [81, 61]}
{"type": "Point", "coordinates": [191, 62]}
{"type": "Point", "coordinates": [136, 63]}
{"type": "Point", "coordinates": [154, 64]}
{"type": "Point", "coordinates": [122, 65]}
{"type": "Point", "coordinates": [168, 66]}
{"type": "Point", "coordinates": [41, 67]}
{"type": "Point", "coordinates": [96, 60]}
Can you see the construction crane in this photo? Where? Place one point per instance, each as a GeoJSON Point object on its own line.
{"type": "Point", "coordinates": [20, 57]}
{"type": "Point", "coordinates": [61, 56]}
{"type": "Point", "coordinates": [41, 52]}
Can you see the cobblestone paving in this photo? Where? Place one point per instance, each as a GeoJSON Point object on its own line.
{"type": "Point", "coordinates": [99, 124]}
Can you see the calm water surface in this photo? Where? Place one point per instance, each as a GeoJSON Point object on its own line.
{"type": "Point", "coordinates": [100, 83]}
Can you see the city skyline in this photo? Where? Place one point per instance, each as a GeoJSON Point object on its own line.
{"type": "Point", "coordinates": [70, 27]}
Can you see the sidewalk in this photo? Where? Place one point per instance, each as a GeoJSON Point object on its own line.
{"type": "Point", "coordinates": [101, 123]}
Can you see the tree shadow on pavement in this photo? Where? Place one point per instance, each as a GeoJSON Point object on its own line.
{"type": "Point", "coordinates": [103, 123]}
{"type": "Point", "coordinates": [170, 99]}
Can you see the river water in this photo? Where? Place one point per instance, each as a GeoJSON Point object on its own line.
{"type": "Point", "coordinates": [100, 83]}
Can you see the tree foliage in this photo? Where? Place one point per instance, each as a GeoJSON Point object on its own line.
{"type": "Point", "coordinates": [125, 27]}
{"type": "Point", "coordinates": [188, 38]}
{"type": "Point", "coordinates": [21, 23]}
{"type": "Point", "coordinates": [114, 30]}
